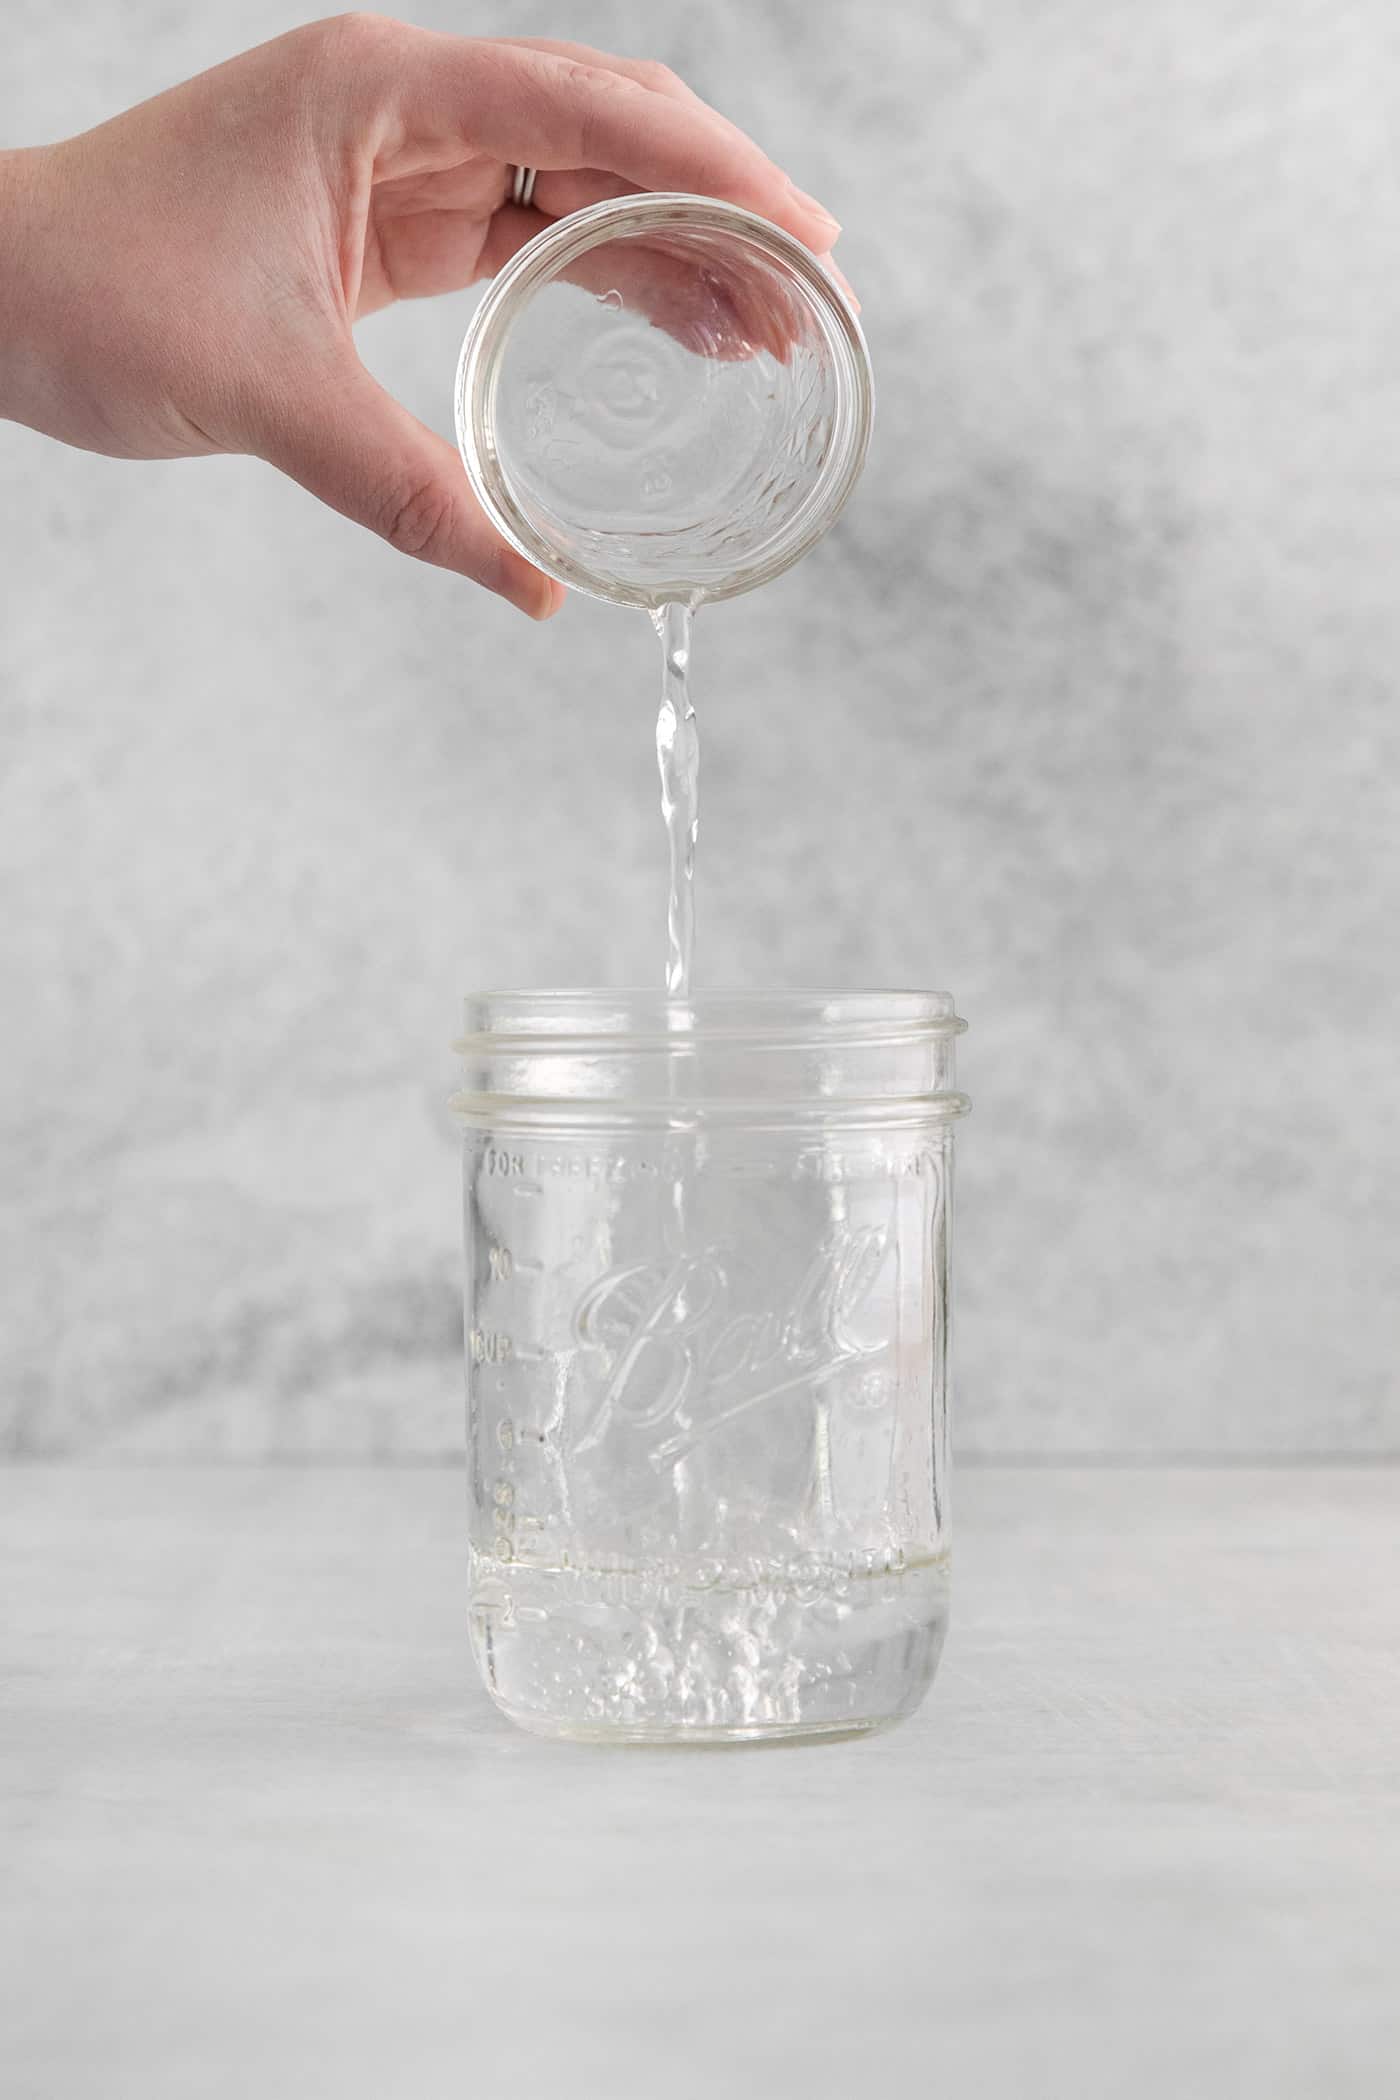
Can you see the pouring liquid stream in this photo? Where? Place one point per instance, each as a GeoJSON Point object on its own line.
{"type": "Point", "coordinates": [678, 760]}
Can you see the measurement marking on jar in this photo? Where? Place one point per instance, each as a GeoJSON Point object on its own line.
{"type": "Point", "coordinates": [524, 1354]}
{"type": "Point", "coordinates": [488, 1347]}
{"type": "Point", "coordinates": [526, 1188]}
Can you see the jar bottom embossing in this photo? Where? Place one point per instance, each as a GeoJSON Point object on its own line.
{"type": "Point", "coordinates": [707, 1323]}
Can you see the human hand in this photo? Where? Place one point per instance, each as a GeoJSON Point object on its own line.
{"type": "Point", "coordinates": [185, 279]}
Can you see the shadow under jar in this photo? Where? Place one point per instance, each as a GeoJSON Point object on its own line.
{"type": "Point", "coordinates": [707, 1316]}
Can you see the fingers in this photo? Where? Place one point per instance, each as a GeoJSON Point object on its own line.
{"type": "Point", "coordinates": [651, 74]}
{"type": "Point", "coordinates": [646, 70]}
{"type": "Point", "coordinates": [511, 227]}
{"type": "Point", "coordinates": [536, 108]}
{"type": "Point", "coordinates": [352, 445]}
{"type": "Point", "coordinates": [574, 189]}
{"type": "Point", "coordinates": [728, 315]}
{"type": "Point", "coordinates": [841, 280]}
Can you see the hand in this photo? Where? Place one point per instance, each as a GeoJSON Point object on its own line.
{"type": "Point", "coordinates": [184, 279]}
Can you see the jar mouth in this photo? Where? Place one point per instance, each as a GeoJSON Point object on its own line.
{"type": "Point", "coordinates": [486, 455]}
{"type": "Point", "coordinates": [804, 1061]}
{"type": "Point", "coordinates": [591, 1018]}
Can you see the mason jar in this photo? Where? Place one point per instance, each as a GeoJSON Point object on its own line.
{"type": "Point", "coordinates": [707, 1326]}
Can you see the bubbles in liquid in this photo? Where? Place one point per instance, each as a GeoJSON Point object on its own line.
{"type": "Point", "coordinates": [664, 1651]}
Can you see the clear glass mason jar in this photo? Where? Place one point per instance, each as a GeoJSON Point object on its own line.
{"type": "Point", "coordinates": [707, 1323]}
{"type": "Point", "coordinates": [663, 399]}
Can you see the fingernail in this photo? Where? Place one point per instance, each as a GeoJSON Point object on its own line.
{"type": "Point", "coordinates": [818, 211]}
{"type": "Point", "coordinates": [528, 589]}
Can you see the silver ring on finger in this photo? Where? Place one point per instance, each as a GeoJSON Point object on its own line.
{"type": "Point", "coordinates": [522, 190]}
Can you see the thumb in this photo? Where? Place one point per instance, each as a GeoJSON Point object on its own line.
{"type": "Point", "coordinates": [350, 443]}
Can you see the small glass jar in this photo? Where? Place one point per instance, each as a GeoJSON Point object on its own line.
{"type": "Point", "coordinates": [707, 1323]}
{"type": "Point", "coordinates": [663, 399]}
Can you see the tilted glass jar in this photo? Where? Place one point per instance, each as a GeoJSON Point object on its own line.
{"type": "Point", "coordinates": [663, 399]}
{"type": "Point", "coordinates": [707, 1313]}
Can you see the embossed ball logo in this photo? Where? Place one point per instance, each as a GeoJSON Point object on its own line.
{"type": "Point", "coordinates": [681, 1361]}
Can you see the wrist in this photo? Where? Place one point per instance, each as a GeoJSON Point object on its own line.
{"type": "Point", "coordinates": [26, 373]}
{"type": "Point", "coordinates": [46, 302]}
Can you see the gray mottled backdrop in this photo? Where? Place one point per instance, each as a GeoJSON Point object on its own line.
{"type": "Point", "coordinates": [1087, 711]}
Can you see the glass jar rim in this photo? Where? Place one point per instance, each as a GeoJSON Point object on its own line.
{"type": "Point", "coordinates": [542, 259]}
{"type": "Point", "coordinates": [596, 1018]}
{"type": "Point", "coordinates": [617, 1060]}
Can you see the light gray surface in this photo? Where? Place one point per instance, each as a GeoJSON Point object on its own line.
{"type": "Point", "coordinates": [1100, 669]}
{"type": "Point", "coordinates": [264, 1834]}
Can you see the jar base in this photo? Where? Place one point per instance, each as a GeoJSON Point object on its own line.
{"type": "Point", "coordinates": [563, 1655]}
{"type": "Point", "coordinates": [680, 1737]}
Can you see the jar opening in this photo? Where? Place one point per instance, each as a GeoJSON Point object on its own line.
{"type": "Point", "coordinates": [783, 1057]}
{"type": "Point", "coordinates": [644, 1016]}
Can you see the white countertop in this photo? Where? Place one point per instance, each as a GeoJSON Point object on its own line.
{"type": "Point", "coordinates": [261, 1833]}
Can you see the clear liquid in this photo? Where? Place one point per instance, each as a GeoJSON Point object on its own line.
{"type": "Point", "coordinates": [678, 759]}
{"type": "Point", "coordinates": [683, 1651]}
